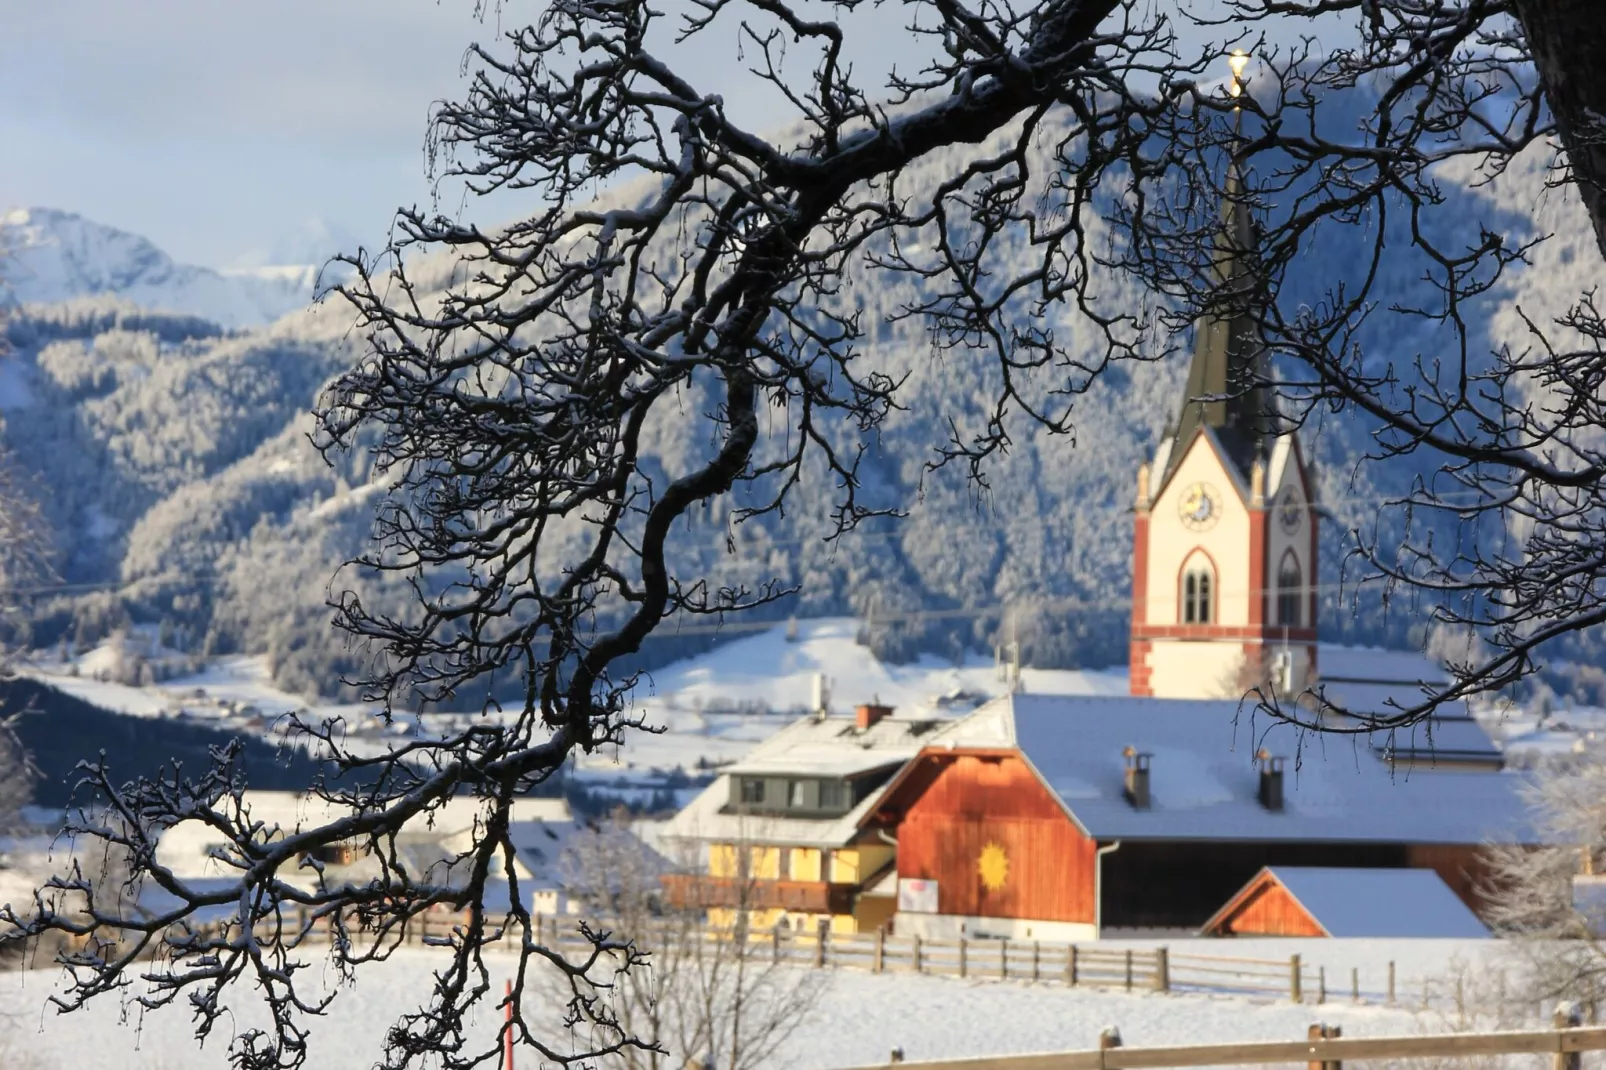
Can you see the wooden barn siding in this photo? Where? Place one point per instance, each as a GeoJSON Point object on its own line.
{"type": "Point", "coordinates": [969, 802]}
{"type": "Point", "coordinates": [1460, 866]}
{"type": "Point", "coordinates": [1269, 910]}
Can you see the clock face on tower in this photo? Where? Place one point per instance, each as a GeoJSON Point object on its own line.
{"type": "Point", "coordinates": [1290, 510]}
{"type": "Point", "coordinates": [1200, 507]}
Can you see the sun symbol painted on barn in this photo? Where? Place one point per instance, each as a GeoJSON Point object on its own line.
{"type": "Point", "coordinates": [993, 865]}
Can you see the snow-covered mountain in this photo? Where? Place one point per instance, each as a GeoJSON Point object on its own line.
{"type": "Point", "coordinates": [54, 256]}
{"type": "Point", "coordinates": [313, 241]}
{"type": "Point", "coordinates": [185, 493]}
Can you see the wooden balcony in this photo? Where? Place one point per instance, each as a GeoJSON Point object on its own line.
{"type": "Point", "coordinates": [804, 897]}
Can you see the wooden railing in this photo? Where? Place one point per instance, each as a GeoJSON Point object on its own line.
{"type": "Point", "coordinates": [1323, 1049]}
{"type": "Point", "coordinates": [1098, 965]}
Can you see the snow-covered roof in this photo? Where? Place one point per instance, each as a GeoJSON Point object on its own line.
{"type": "Point", "coordinates": [706, 818]}
{"type": "Point", "coordinates": [1368, 680]}
{"type": "Point", "coordinates": [1284, 448]}
{"type": "Point", "coordinates": [1445, 738]}
{"type": "Point", "coordinates": [1377, 902]}
{"type": "Point", "coordinates": [1204, 782]}
{"type": "Point", "coordinates": [1374, 665]}
{"type": "Point", "coordinates": [544, 840]}
{"type": "Point", "coordinates": [540, 846]}
{"type": "Point", "coordinates": [809, 746]}
{"type": "Point", "coordinates": [836, 746]}
{"type": "Point", "coordinates": [424, 843]}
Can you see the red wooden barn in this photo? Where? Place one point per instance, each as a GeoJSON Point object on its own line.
{"type": "Point", "coordinates": [1051, 817]}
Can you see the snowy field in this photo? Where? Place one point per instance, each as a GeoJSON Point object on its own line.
{"type": "Point", "coordinates": [859, 1019]}
{"type": "Point", "coordinates": [706, 711]}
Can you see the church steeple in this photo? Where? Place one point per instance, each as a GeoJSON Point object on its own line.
{"type": "Point", "coordinates": [1224, 565]}
{"type": "Point", "coordinates": [1225, 390]}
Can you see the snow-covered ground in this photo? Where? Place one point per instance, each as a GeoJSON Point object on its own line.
{"type": "Point", "coordinates": [859, 1019]}
{"type": "Point", "coordinates": [715, 706]}
{"type": "Point", "coordinates": [705, 711]}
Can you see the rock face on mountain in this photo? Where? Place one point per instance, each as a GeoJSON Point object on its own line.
{"type": "Point", "coordinates": [174, 462]}
{"type": "Point", "coordinates": [54, 256]}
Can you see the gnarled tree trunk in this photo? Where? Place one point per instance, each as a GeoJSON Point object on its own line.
{"type": "Point", "coordinates": [1568, 40]}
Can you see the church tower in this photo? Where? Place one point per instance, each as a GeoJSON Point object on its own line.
{"type": "Point", "coordinates": [1224, 554]}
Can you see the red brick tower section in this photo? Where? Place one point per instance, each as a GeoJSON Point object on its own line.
{"type": "Point", "coordinates": [1139, 673]}
{"type": "Point", "coordinates": [1254, 649]}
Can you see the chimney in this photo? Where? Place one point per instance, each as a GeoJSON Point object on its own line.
{"type": "Point", "coordinates": [822, 696]}
{"type": "Point", "coordinates": [1137, 778]}
{"type": "Point", "coordinates": [1271, 781]}
{"type": "Point", "coordinates": [870, 713]}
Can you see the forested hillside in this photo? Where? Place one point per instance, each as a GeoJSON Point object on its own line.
{"type": "Point", "coordinates": [174, 461]}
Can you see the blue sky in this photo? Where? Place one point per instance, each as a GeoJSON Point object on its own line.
{"type": "Point", "coordinates": [221, 128]}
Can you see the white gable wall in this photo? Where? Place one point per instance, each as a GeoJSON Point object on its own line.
{"type": "Point", "coordinates": [1213, 666]}
{"type": "Point", "coordinates": [1197, 667]}
{"type": "Point", "coordinates": [1227, 543]}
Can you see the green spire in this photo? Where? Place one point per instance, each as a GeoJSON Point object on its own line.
{"type": "Point", "coordinates": [1228, 355]}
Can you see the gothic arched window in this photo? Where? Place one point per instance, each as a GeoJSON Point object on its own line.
{"type": "Point", "coordinates": [1198, 590]}
{"type": "Point", "coordinates": [1290, 591]}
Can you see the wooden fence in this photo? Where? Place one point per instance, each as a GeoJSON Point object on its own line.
{"type": "Point", "coordinates": [1159, 969]}
{"type": "Point", "coordinates": [1323, 1049]}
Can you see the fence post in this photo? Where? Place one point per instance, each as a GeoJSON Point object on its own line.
{"type": "Point", "coordinates": [920, 967]}
{"type": "Point", "coordinates": [1037, 954]}
{"type": "Point", "coordinates": [1320, 1031]}
{"type": "Point", "coordinates": [962, 963]}
{"type": "Point", "coordinates": [1070, 967]}
{"type": "Point", "coordinates": [1003, 959]}
{"type": "Point", "coordinates": [1391, 982]}
{"type": "Point", "coordinates": [1295, 980]}
{"type": "Point", "coordinates": [819, 942]}
{"type": "Point", "coordinates": [1567, 1016]}
{"type": "Point", "coordinates": [1321, 984]}
{"type": "Point", "coordinates": [880, 947]}
{"type": "Point", "coordinates": [775, 944]}
{"type": "Point", "coordinates": [1355, 984]}
{"type": "Point", "coordinates": [1129, 969]}
{"type": "Point", "coordinates": [1162, 969]}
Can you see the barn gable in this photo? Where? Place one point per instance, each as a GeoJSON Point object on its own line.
{"type": "Point", "coordinates": [1342, 902]}
{"type": "Point", "coordinates": [995, 840]}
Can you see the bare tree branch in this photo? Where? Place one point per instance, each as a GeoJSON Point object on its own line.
{"type": "Point", "coordinates": [679, 267]}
